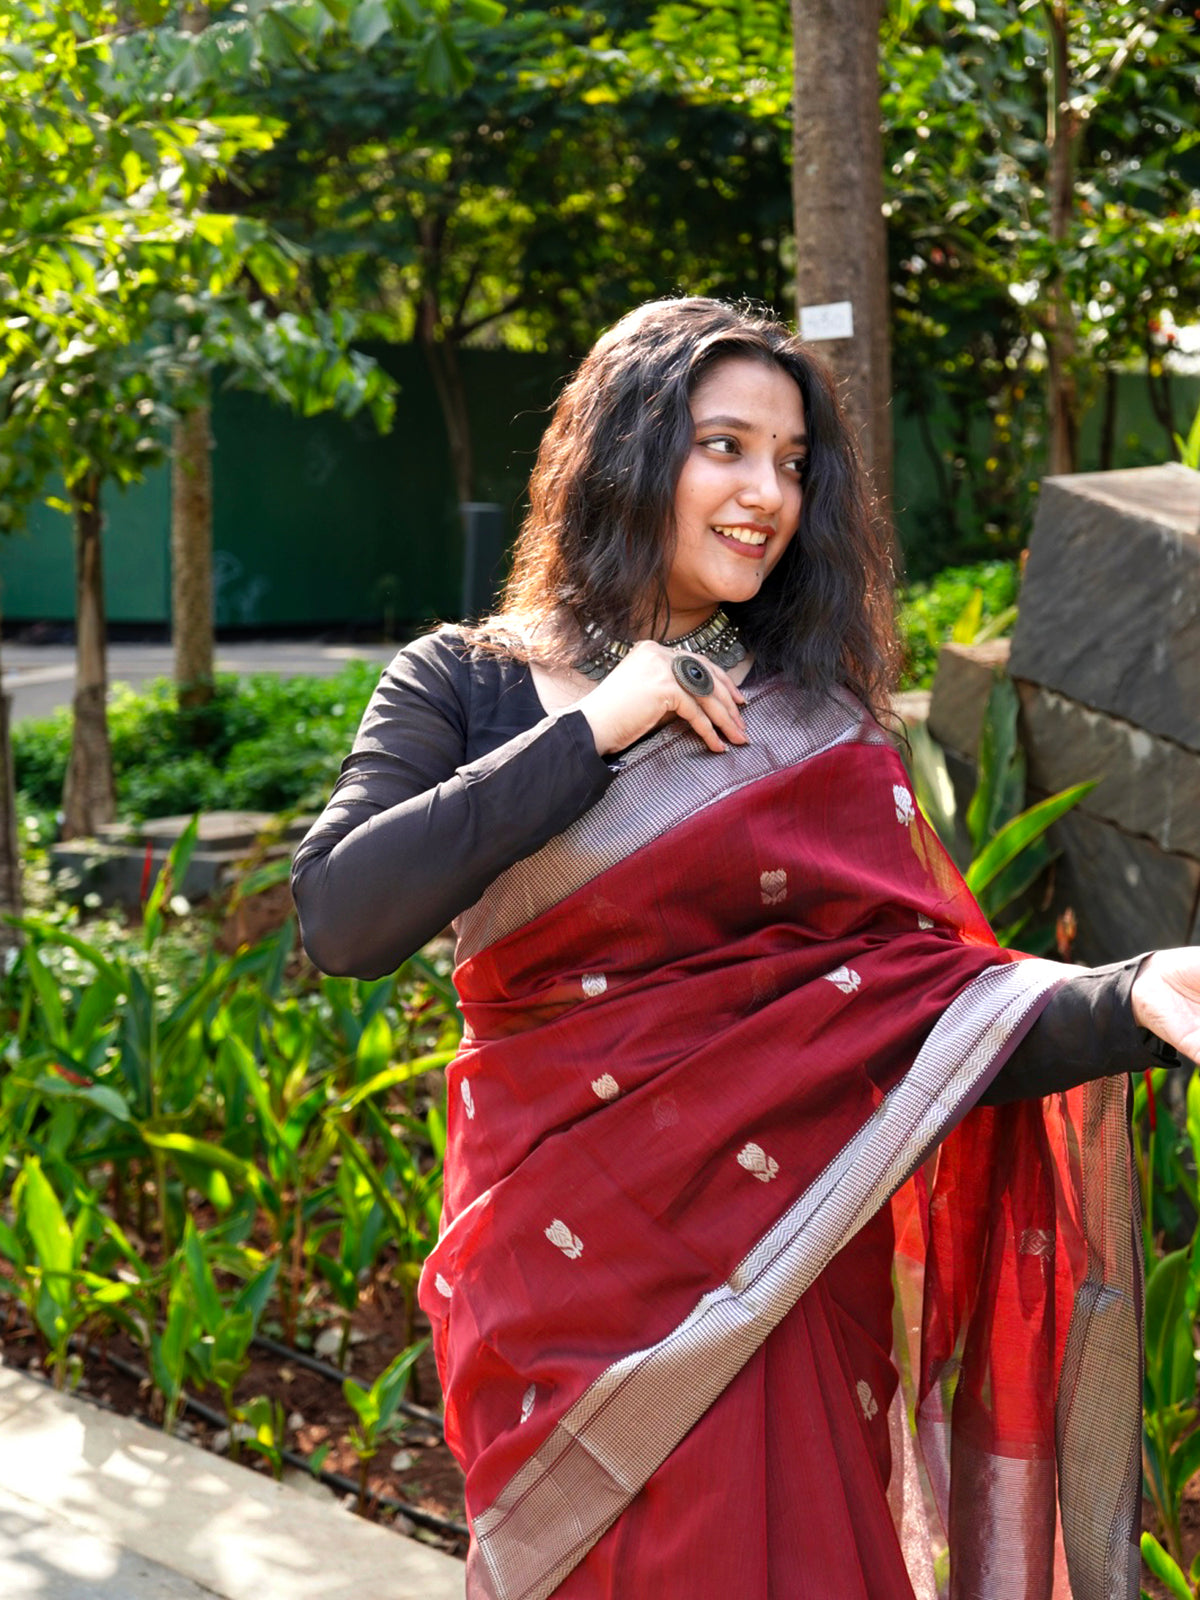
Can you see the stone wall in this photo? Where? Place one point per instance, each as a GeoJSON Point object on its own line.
{"type": "Point", "coordinates": [1106, 659]}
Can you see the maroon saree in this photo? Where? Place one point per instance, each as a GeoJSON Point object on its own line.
{"type": "Point", "coordinates": [713, 1031]}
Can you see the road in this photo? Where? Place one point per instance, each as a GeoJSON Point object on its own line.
{"type": "Point", "coordinates": [42, 677]}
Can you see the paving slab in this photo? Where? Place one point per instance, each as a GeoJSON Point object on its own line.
{"type": "Point", "coordinates": [93, 1504]}
{"type": "Point", "coordinates": [44, 1557]}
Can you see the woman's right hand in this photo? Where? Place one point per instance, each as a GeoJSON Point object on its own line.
{"type": "Point", "coordinates": [643, 692]}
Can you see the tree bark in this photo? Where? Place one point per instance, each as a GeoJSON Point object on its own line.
{"type": "Point", "coordinates": [1061, 133]}
{"type": "Point", "coordinates": [442, 356]}
{"type": "Point", "coordinates": [10, 858]}
{"type": "Point", "coordinates": [88, 795]}
{"type": "Point", "coordinates": [837, 190]}
{"type": "Point", "coordinates": [191, 557]}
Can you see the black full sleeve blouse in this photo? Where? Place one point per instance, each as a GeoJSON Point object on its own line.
{"type": "Point", "coordinates": [457, 771]}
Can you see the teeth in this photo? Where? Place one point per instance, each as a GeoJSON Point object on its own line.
{"type": "Point", "coordinates": [742, 535]}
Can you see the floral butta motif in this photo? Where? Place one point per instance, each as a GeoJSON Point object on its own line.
{"type": "Point", "coordinates": [569, 1243]}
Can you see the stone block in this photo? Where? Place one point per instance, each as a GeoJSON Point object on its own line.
{"type": "Point", "coordinates": [965, 675]}
{"type": "Point", "coordinates": [1149, 786]}
{"type": "Point", "coordinates": [218, 830]}
{"type": "Point", "coordinates": [1127, 894]}
{"type": "Point", "coordinates": [911, 706]}
{"type": "Point", "coordinates": [1110, 603]}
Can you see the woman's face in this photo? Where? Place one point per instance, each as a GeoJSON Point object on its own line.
{"type": "Point", "coordinates": [737, 504]}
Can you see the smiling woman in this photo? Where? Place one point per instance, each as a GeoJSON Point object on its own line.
{"type": "Point", "coordinates": [740, 1052]}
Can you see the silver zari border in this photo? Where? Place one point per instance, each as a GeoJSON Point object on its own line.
{"type": "Point", "coordinates": [660, 783]}
{"type": "Point", "coordinates": [1099, 1422]}
{"type": "Point", "coordinates": [602, 1451]}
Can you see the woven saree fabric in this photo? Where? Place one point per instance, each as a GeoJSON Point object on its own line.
{"type": "Point", "coordinates": [714, 1183]}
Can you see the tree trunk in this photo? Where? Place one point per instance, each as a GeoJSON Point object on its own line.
{"type": "Point", "coordinates": [10, 859]}
{"type": "Point", "coordinates": [191, 557]}
{"type": "Point", "coordinates": [1108, 424]}
{"type": "Point", "coordinates": [88, 796]}
{"type": "Point", "coordinates": [1063, 397]}
{"type": "Point", "coordinates": [837, 188]}
{"type": "Point", "coordinates": [442, 356]}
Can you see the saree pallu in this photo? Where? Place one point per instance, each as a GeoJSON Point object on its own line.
{"type": "Point", "coordinates": [714, 1183]}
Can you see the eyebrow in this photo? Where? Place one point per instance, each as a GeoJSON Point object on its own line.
{"type": "Point", "coordinates": [742, 426]}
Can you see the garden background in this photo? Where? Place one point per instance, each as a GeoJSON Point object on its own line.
{"type": "Point", "coordinates": [355, 245]}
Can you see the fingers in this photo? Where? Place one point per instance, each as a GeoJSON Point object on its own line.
{"type": "Point", "coordinates": [643, 692]}
{"type": "Point", "coordinates": [691, 712]}
{"type": "Point", "coordinates": [716, 717]}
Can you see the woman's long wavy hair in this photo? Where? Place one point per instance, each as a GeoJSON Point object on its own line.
{"type": "Point", "coordinates": [596, 546]}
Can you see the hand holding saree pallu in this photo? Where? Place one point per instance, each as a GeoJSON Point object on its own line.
{"type": "Point", "coordinates": [711, 1030]}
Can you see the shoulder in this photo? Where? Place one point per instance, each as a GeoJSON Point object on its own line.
{"type": "Point", "coordinates": [449, 672]}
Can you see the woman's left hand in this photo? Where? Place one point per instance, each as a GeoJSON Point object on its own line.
{"type": "Point", "coordinates": [1166, 998]}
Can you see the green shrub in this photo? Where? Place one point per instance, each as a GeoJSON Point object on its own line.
{"type": "Point", "coordinates": [927, 611]}
{"type": "Point", "coordinates": [264, 743]}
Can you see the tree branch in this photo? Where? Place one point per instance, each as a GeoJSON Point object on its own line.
{"type": "Point", "coordinates": [469, 328]}
{"type": "Point", "coordinates": [456, 321]}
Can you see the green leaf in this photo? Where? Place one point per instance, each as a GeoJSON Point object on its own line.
{"type": "Point", "coordinates": [403, 1072]}
{"type": "Point", "coordinates": [364, 1401]}
{"type": "Point", "coordinates": [1000, 789]}
{"type": "Point", "coordinates": [1020, 832]}
{"type": "Point", "coordinates": [376, 1046]}
{"type": "Point", "coordinates": [256, 1294]}
{"type": "Point", "coordinates": [100, 1095]}
{"type": "Point", "coordinates": [1185, 1461]}
{"type": "Point", "coordinates": [1015, 879]}
{"type": "Point", "coordinates": [242, 1174]}
{"type": "Point", "coordinates": [174, 871]}
{"type": "Point", "coordinates": [43, 1217]}
{"type": "Point", "coordinates": [1164, 1568]}
{"type": "Point", "coordinates": [1170, 1358]}
{"type": "Point", "coordinates": [967, 624]}
{"type": "Point", "coordinates": [397, 1221]}
{"type": "Point", "coordinates": [48, 997]}
{"type": "Point", "coordinates": [369, 21]}
{"type": "Point", "coordinates": [204, 1288]}
{"type": "Point", "coordinates": [391, 1383]}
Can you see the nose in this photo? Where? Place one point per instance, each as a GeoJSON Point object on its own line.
{"type": "Point", "coordinates": [761, 488]}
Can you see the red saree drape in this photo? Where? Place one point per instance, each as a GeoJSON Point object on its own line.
{"type": "Point", "coordinates": [713, 1029]}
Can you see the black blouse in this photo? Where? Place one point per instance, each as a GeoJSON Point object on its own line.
{"type": "Point", "coordinates": [457, 771]}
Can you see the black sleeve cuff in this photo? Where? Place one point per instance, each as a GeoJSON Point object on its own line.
{"type": "Point", "coordinates": [1087, 1030]}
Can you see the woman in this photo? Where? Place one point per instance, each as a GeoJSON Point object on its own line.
{"type": "Point", "coordinates": [723, 994]}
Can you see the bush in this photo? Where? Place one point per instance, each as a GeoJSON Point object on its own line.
{"type": "Point", "coordinates": [263, 744]}
{"type": "Point", "coordinates": [927, 612]}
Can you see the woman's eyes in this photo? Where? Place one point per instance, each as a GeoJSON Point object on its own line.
{"type": "Point", "coordinates": [725, 444]}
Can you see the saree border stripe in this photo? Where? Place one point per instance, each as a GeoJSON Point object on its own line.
{"type": "Point", "coordinates": [609, 1443]}
{"type": "Point", "coordinates": [1098, 1424]}
{"type": "Point", "coordinates": [659, 784]}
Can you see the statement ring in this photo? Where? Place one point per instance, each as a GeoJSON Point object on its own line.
{"type": "Point", "coordinates": [691, 674]}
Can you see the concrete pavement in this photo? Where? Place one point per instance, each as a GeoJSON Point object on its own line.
{"type": "Point", "coordinates": [94, 1506]}
{"type": "Point", "coordinates": [41, 677]}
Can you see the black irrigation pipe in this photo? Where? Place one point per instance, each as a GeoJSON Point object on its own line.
{"type": "Point", "coordinates": [326, 1369]}
{"type": "Point", "coordinates": [332, 1480]}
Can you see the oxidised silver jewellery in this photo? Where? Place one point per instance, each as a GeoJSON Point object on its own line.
{"type": "Point", "coordinates": [691, 674]}
{"type": "Point", "coordinates": [718, 639]}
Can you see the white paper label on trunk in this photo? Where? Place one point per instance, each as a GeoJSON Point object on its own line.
{"type": "Point", "coordinates": [834, 321]}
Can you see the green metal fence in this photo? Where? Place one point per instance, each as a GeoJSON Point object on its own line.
{"type": "Point", "coordinates": [321, 522]}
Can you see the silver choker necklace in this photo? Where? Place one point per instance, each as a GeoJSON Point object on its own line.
{"type": "Point", "coordinates": [717, 640]}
